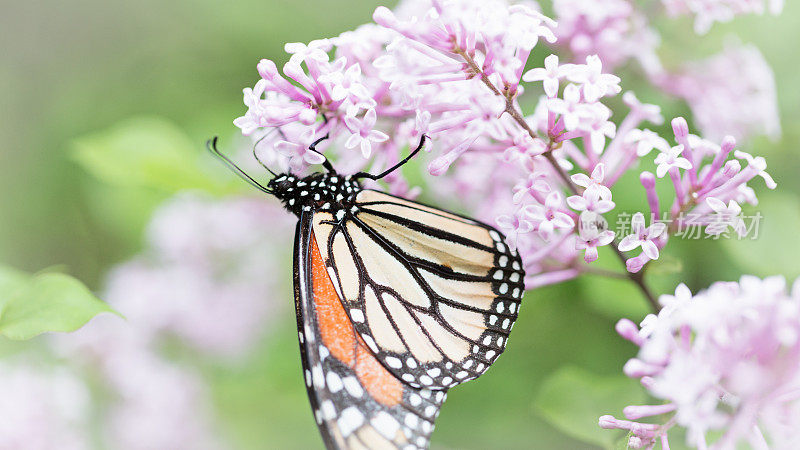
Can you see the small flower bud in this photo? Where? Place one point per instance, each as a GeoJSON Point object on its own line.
{"type": "Point", "coordinates": [728, 144]}
{"type": "Point", "coordinates": [680, 128]}
{"type": "Point", "coordinates": [609, 422]}
{"type": "Point", "coordinates": [636, 368]}
{"type": "Point", "coordinates": [635, 412]}
{"type": "Point", "coordinates": [267, 69]}
{"type": "Point", "coordinates": [628, 330]}
{"type": "Point", "coordinates": [384, 16]}
{"type": "Point", "coordinates": [731, 168]}
{"type": "Point", "coordinates": [648, 179]}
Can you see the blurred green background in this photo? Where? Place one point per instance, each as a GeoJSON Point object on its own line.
{"type": "Point", "coordinates": [71, 69]}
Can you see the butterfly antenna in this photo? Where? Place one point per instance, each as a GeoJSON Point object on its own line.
{"type": "Point", "coordinates": [211, 144]}
{"type": "Point", "coordinates": [255, 155]}
{"type": "Point", "coordinates": [396, 166]}
{"type": "Point", "coordinates": [313, 147]}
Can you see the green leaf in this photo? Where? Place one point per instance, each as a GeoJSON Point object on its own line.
{"type": "Point", "coordinates": [573, 399]}
{"type": "Point", "coordinates": [773, 249]}
{"type": "Point", "coordinates": [10, 279]}
{"type": "Point", "coordinates": [614, 298]}
{"type": "Point", "coordinates": [31, 305]}
{"type": "Point", "coordinates": [145, 152]}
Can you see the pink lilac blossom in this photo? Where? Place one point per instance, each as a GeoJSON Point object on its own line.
{"type": "Point", "coordinates": [730, 93]}
{"type": "Point", "coordinates": [723, 364]}
{"type": "Point", "coordinates": [158, 404]}
{"type": "Point", "coordinates": [709, 187]}
{"type": "Point", "coordinates": [455, 71]}
{"type": "Point", "coordinates": [209, 275]}
{"type": "Point", "coordinates": [148, 401]}
{"type": "Point", "coordinates": [42, 408]}
{"type": "Point", "coordinates": [707, 12]}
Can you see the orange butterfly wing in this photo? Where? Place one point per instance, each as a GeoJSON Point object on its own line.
{"type": "Point", "coordinates": [357, 402]}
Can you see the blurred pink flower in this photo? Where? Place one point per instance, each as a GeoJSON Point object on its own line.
{"type": "Point", "coordinates": [707, 12]}
{"type": "Point", "coordinates": [731, 93]}
{"type": "Point", "coordinates": [726, 364]}
{"type": "Point", "coordinates": [210, 276]}
{"type": "Point", "coordinates": [614, 30]}
{"type": "Point", "coordinates": [158, 405]}
{"type": "Point", "coordinates": [42, 408]}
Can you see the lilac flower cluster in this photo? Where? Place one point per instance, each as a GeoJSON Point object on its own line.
{"type": "Point", "coordinates": [724, 364]}
{"type": "Point", "coordinates": [457, 71]}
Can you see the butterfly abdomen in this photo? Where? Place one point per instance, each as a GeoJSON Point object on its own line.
{"type": "Point", "coordinates": [316, 192]}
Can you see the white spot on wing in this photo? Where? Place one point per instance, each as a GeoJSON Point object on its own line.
{"type": "Point", "coordinates": [318, 376]}
{"type": "Point", "coordinates": [334, 382]}
{"type": "Point", "coordinates": [370, 343]}
{"type": "Point", "coordinates": [353, 387]}
{"type": "Point", "coordinates": [394, 362]}
{"type": "Point", "coordinates": [328, 410]}
{"type": "Point", "coordinates": [357, 315]}
{"type": "Point", "coordinates": [412, 420]}
{"type": "Point", "coordinates": [350, 420]}
{"type": "Point", "coordinates": [385, 424]}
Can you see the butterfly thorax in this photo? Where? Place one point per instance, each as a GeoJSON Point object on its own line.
{"type": "Point", "coordinates": [316, 192]}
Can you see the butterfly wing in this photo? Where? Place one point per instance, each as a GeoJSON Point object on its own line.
{"type": "Point", "coordinates": [432, 294]}
{"type": "Point", "coordinates": [357, 403]}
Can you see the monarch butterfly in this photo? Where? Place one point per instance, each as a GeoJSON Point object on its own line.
{"type": "Point", "coordinates": [396, 302]}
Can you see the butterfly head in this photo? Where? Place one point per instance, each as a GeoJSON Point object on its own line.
{"type": "Point", "coordinates": [316, 192]}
